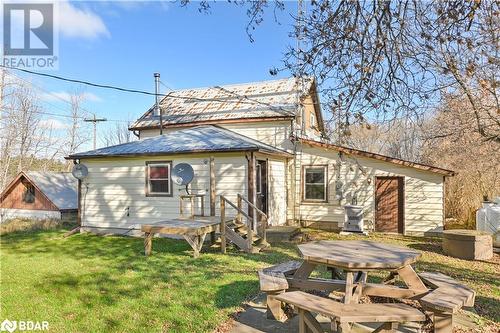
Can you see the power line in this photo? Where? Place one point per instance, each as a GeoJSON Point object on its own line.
{"type": "Point", "coordinates": [170, 94]}
{"type": "Point", "coordinates": [57, 77]}
{"type": "Point", "coordinates": [61, 115]}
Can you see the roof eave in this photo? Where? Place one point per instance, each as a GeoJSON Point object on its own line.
{"type": "Point", "coordinates": [419, 166]}
{"type": "Point", "coordinates": [210, 122]}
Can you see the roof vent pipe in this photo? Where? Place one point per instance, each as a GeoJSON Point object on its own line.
{"type": "Point", "coordinates": [157, 106]}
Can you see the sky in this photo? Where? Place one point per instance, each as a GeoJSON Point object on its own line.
{"type": "Point", "coordinates": [124, 43]}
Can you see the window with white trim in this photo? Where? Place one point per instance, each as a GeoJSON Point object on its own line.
{"type": "Point", "coordinates": [158, 181]}
{"type": "Point", "coordinates": [315, 183]}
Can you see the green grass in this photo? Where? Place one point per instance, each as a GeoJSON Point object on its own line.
{"type": "Point", "coordinates": [88, 283]}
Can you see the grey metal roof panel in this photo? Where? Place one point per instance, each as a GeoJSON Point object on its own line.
{"type": "Point", "coordinates": [206, 138]}
{"type": "Point", "coordinates": [265, 99]}
{"type": "Point", "coordinates": [60, 187]}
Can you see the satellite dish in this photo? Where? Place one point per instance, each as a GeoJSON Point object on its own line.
{"type": "Point", "coordinates": [183, 174]}
{"type": "Point", "coordinates": [80, 171]}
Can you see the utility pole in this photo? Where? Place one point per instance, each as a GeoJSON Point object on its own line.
{"type": "Point", "coordinates": [94, 120]}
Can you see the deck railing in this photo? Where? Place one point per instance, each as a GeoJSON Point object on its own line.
{"type": "Point", "coordinates": [249, 221]}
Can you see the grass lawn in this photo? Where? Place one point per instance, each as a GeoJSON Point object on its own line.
{"type": "Point", "coordinates": [88, 283]}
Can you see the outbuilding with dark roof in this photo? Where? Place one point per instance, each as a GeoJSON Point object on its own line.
{"type": "Point", "coordinates": [40, 195]}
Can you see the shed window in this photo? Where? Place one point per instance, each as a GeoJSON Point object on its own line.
{"type": "Point", "coordinates": [29, 193]}
{"type": "Point", "coordinates": [315, 183]}
{"type": "Point", "coordinates": [158, 179]}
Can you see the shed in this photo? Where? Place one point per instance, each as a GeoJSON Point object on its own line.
{"type": "Point", "coordinates": [40, 195]}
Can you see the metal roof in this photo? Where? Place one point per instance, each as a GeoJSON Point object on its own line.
{"type": "Point", "coordinates": [59, 187]}
{"type": "Point", "coordinates": [265, 99]}
{"type": "Point", "coordinates": [207, 138]}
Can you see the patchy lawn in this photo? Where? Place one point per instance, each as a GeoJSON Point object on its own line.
{"type": "Point", "coordinates": [91, 283]}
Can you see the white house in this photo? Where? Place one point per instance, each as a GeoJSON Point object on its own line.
{"type": "Point", "coordinates": [264, 141]}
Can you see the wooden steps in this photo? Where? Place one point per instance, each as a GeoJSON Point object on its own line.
{"type": "Point", "coordinates": [237, 233]}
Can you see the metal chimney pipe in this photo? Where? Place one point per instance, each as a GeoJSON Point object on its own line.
{"type": "Point", "coordinates": [157, 106]}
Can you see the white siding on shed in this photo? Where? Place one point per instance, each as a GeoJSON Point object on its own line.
{"type": "Point", "coordinates": [11, 213]}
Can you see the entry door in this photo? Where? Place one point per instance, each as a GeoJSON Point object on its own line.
{"type": "Point", "coordinates": [389, 204]}
{"type": "Point", "coordinates": [261, 185]}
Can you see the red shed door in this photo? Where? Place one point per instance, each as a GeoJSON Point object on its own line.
{"type": "Point", "coordinates": [389, 204]}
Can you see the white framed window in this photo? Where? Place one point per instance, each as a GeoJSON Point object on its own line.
{"type": "Point", "coordinates": [315, 183]}
{"type": "Point", "coordinates": [312, 120]}
{"type": "Point", "coordinates": [158, 182]}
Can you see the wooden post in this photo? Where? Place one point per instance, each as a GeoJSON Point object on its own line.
{"type": "Point", "coordinates": [240, 205]}
{"type": "Point", "coordinates": [263, 223]}
{"type": "Point", "coordinates": [212, 186]}
{"type": "Point", "coordinates": [349, 286]}
{"type": "Point", "coordinates": [302, 322]}
{"type": "Point", "coordinates": [181, 208]}
{"type": "Point", "coordinates": [254, 196]}
{"type": "Point", "coordinates": [222, 224]}
{"type": "Point", "coordinates": [148, 240]}
{"type": "Point", "coordinates": [443, 322]}
{"type": "Point", "coordinates": [274, 309]}
{"type": "Point", "coordinates": [192, 207]}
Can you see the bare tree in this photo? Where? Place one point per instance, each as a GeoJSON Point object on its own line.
{"type": "Point", "coordinates": [377, 61]}
{"type": "Point", "coordinates": [118, 134]}
{"type": "Point", "coordinates": [452, 142]}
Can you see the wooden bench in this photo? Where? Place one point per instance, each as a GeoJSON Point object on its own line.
{"type": "Point", "coordinates": [447, 297]}
{"type": "Point", "coordinates": [273, 281]}
{"type": "Point", "coordinates": [342, 315]}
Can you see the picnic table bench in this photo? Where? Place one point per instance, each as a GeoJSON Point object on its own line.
{"type": "Point", "coordinates": [390, 314]}
{"type": "Point", "coordinates": [436, 292]}
{"type": "Point", "coordinates": [445, 300]}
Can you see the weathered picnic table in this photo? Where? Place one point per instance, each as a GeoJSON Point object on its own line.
{"type": "Point", "coordinates": [194, 231]}
{"type": "Point", "coordinates": [287, 282]}
{"type": "Point", "coordinates": [357, 259]}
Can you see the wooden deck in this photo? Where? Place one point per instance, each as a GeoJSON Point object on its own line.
{"type": "Point", "coordinates": [194, 231]}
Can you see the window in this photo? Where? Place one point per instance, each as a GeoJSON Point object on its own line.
{"type": "Point", "coordinates": [158, 181]}
{"type": "Point", "coordinates": [312, 120]}
{"type": "Point", "coordinates": [29, 193]}
{"type": "Point", "coordinates": [315, 183]}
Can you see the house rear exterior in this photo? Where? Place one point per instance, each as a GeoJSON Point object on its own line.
{"type": "Point", "coordinates": [265, 141]}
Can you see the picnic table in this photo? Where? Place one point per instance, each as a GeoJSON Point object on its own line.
{"type": "Point", "coordinates": [357, 259]}
{"type": "Point", "coordinates": [288, 282]}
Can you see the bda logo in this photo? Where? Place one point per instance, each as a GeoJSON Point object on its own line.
{"type": "Point", "coordinates": [8, 325]}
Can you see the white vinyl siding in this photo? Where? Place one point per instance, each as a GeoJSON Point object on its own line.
{"type": "Point", "coordinates": [423, 190]}
{"type": "Point", "coordinates": [274, 133]}
{"type": "Point", "coordinates": [113, 194]}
